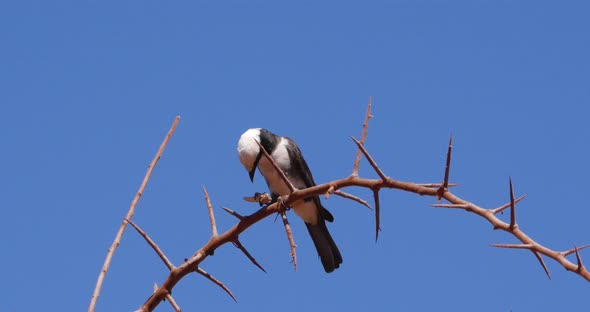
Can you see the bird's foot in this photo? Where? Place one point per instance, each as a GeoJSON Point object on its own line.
{"type": "Point", "coordinates": [282, 204]}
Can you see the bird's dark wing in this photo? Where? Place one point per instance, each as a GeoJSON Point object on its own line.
{"type": "Point", "coordinates": [323, 241]}
{"type": "Point", "coordinates": [300, 165]}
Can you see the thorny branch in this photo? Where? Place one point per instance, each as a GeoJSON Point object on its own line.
{"type": "Point", "coordinates": [438, 191]}
{"type": "Point", "coordinates": [130, 212]}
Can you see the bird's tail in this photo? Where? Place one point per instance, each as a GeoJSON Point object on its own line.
{"type": "Point", "coordinates": [325, 245]}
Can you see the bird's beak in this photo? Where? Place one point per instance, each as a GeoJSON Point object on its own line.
{"type": "Point", "coordinates": [253, 170]}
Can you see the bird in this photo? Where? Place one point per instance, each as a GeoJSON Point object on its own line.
{"type": "Point", "coordinates": [289, 158]}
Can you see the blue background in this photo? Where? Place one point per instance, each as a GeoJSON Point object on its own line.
{"type": "Point", "coordinates": [89, 89]}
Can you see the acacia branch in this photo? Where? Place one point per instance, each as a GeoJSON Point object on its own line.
{"type": "Point", "coordinates": [438, 191]}
{"type": "Point", "coordinates": [232, 234]}
{"type": "Point", "coordinates": [130, 212]}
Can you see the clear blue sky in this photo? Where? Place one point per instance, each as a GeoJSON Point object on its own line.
{"type": "Point", "coordinates": [89, 89]}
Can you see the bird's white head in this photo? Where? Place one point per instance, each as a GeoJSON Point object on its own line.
{"type": "Point", "coordinates": [248, 151]}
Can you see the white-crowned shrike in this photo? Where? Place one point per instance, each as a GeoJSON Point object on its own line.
{"type": "Point", "coordinates": [287, 155]}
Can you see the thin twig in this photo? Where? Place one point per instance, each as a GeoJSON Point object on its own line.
{"type": "Point", "coordinates": [329, 192]}
{"type": "Point", "coordinates": [579, 260]}
{"type": "Point", "coordinates": [532, 247]}
{"type": "Point", "coordinates": [514, 246]}
{"type": "Point", "coordinates": [501, 208]}
{"type": "Point", "coordinates": [536, 253]}
{"type": "Point", "coordinates": [512, 207]}
{"type": "Point", "coordinates": [357, 160]}
{"type": "Point", "coordinates": [352, 197]}
{"type": "Point", "coordinates": [377, 213]}
{"type": "Point", "coordinates": [130, 212]}
{"type": "Point", "coordinates": [239, 245]}
{"type": "Point", "coordinates": [154, 246]}
{"type": "Point", "coordinates": [277, 168]}
{"type": "Point", "coordinates": [211, 214]}
{"type": "Point", "coordinates": [571, 251]}
{"type": "Point", "coordinates": [290, 237]}
{"type": "Point", "coordinates": [445, 185]}
{"type": "Point", "coordinates": [217, 282]}
{"type": "Point", "coordinates": [233, 213]}
{"type": "Point", "coordinates": [461, 206]}
{"type": "Point", "coordinates": [370, 159]}
{"type": "Point", "coordinates": [436, 185]}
